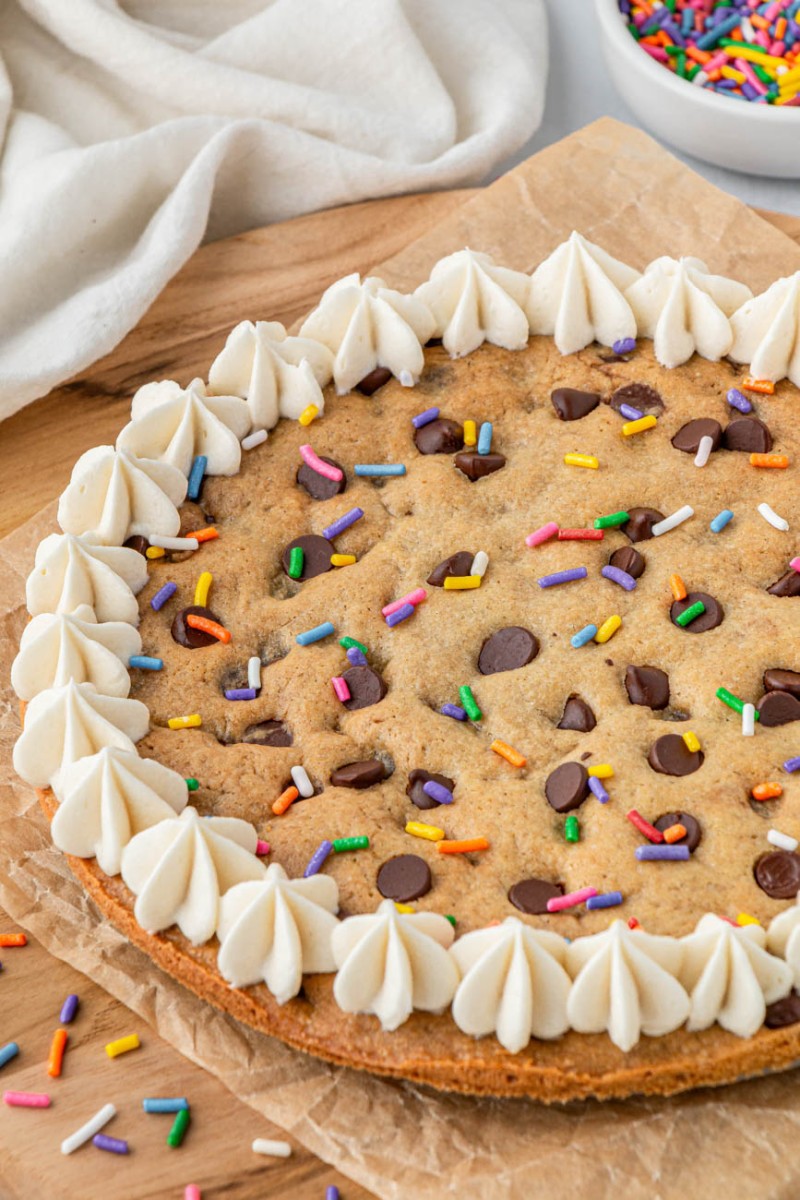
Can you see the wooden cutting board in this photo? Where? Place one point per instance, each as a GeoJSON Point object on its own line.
{"type": "Point", "coordinates": [272, 273]}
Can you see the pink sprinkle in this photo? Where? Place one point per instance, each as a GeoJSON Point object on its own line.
{"type": "Point", "coordinates": [542, 535]}
{"type": "Point", "coordinates": [719, 60]}
{"type": "Point", "coordinates": [26, 1099]}
{"type": "Point", "coordinates": [341, 688]}
{"type": "Point", "coordinates": [752, 78]}
{"type": "Point", "coordinates": [415, 597]}
{"type": "Point", "coordinates": [571, 900]}
{"type": "Point", "coordinates": [795, 563]}
{"type": "Point", "coordinates": [322, 468]}
{"type": "Point", "coordinates": [191, 1192]}
{"type": "Point", "coordinates": [262, 847]}
{"type": "Point", "coordinates": [655, 52]}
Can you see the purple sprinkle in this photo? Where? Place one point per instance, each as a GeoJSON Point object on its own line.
{"type": "Point", "coordinates": [792, 764]}
{"type": "Point", "coordinates": [606, 900]}
{"type": "Point", "coordinates": [68, 1009]}
{"type": "Point", "coordinates": [547, 581]}
{"type": "Point", "coordinates": [453, 710]}
{"type": "Point", "coordinates": [356, 657]}
{"type": "Point", "coordinates": [630, 413]}
{"type": "Point", "coordinates": [240, 693]}
{"type": "Point", "coordinates": [115, 1145]}
{"type": "Point", "coordinates": [343, 523]}
{"type": "Point", "coordinates": [424, 418]}
{"type": "Point", "coordinates": [163, 595]}
{"type": "Point", "coordinates": [662, 853]}
{"type": "Point", "coordinates": [318, 858]}
{"type": "Point", "coordinates": [597, 789]}
{"type": "Point", "coordinates": [618, 576]}
{"type": "Point", "coordinates": [737, 399]}
{"type": "Point", "coordinates": [749, 91]}
{"type": "Point", "coordinates": [331, 1192]}
{"type": "Point", "coordinates": [437, 792]}
{"type": "Point", "coordinates": [624, 345]}
{"type": "Point", "coordinates": [400, 614]}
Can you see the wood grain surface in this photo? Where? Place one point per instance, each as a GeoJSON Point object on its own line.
{"type": "Point", "coordinates": [275, 273]}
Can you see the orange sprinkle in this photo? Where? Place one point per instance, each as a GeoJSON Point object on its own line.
{"type": "Point", "coordinates": [778, 461]}
{"type": "Point", "coordinates": [765, 386]}
{"type": "Point", "coordinates": [204, 535]}
{"type": "Point", "coordinates": [56, 1056]}
{"type": "Point", "coordinates": [209, 627]}
{"type": "Point", "coordinates": [633, 923]}
{"type": "Point", "coordinates": [780, 29]}
{"type": "Point", "coordinates": [758, 22]}
{"type": "Point", "coordinates": [767, 791]}
{"type": "Point", "coordinates": [13, 939]}
{"type": "Point", "coordinates": [674, 833]}
{"type": "Point", "coordinates": [463, 846]}
{"type": "Point", "coordinates": [508, 753]}
{"type": "Point", "coordinates": [285, 800]}
{"type": "Point", "coordinates": [677, 587]}
{"type": "Point", "coordinates": [701, 56]}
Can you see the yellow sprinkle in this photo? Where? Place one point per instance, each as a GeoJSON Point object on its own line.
{"type": "Point", "coordinates": [608, 629]}
{"type": "Point", "coordinates": [122, 1045]}
{"type": "Point", "coordinates": [757, 56]}
{"type": "Point", "coordinates": [602, 771]}
{"type": "Point", "coordinates": [632, 427]}
{"type": "Point", "coordinates": [470, 433]}
{"type": "Point", "coordinates": [692, 741]}
{"type": "Point", "coordinates": [342, 560]}
{"type": "Point", "coordinates": [431, 833]}
{"type": "Point", "coordinates": [459, 583]}
{"type": "Point", "coordinates": [191, 722]}
{"type": "Point", "coordinates": [202, 588]}
{"type": "Point", "coordinates": [154, 552]}
{"type": "Point", "coordinates": [746, 919]}
{"type": "Point", "coordinates": [581, 460]}
{"type": "Point", "coordinates": [403, 908]}
{"type": "Point", "coordinates": [732, 73]}
{"type": "Point", "coordinates": [308, 414]}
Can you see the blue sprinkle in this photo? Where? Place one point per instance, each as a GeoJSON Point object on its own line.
{"type": "Point", "coordinates": [315, 635]}
{"type": "Point", "coordinates": [368, 469]}
{"type": "Point", "coordinates": [583, 636]}
{"type": "Point", "coordinates": [485, 438]}
{"type": "Point", "coordinates": [7, 1052]}
{"type": "Point", "coordinates": [721, 520]}
{"type": "Point", "coordinates": [453, 710]}
{"type": "Point", "coordinates": [605, 900]}
{"type": "Point", "coordinates": [155, 1104]}
{"type": "Point", "coordinates": [196, 477]}
{"type": "Point", "coordinates": [145, 662]}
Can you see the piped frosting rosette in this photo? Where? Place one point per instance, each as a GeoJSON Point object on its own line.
{"type": "Point", "coordinates": [73, 571]}
{"type": "Point", "coordinates": [473, 300]}
{"type": "Point", "coordinates": [766, 332]}
{"type": "Point", "coordinates": [58, 647]}
{"type": "Point", "coordinates": [112, 495]}
{"type": "Point", "coordinates": [173, 425]}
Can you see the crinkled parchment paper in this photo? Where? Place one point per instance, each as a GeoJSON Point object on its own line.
{"type": "Point", "coordinates": [620, 188]}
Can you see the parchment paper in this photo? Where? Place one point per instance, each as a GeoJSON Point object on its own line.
{"type": "Point", "coordinates": [621, 189]}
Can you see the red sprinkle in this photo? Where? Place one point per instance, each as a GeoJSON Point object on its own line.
{"type": "Point", "coordinates": [649, 831]}
{"type": "Point", "coordinates": [581, 535]}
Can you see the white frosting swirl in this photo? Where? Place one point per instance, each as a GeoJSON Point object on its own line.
{"type": "Point", "coordinates": [766, 332]}
{"type": "Point", "coordinates": [684, 309]}
{"type": "Point", "coordinates": [391, 963]}
{"type": "Point", "coordinates": [730, 977]}
{"type": "Point", "coordinates": [112, 495]}
{"type": "Point", "coordinates": [71, 722]}
{"type": "Point", "coordinates": [278, 376]}
{"type": "Point", "coordinates": [108, 798]}
{"type": "Point", "coordinates": [367, 325]}
{"type": "Point", "coordinates": [174, 424]}
{"type": "Point", "coordinates": [784, 939]}
{"type": "Point", "coordinates": [57, 647]}
{"type": "Point", "coordinates": [276, 930]}
{"type": "Point", "coordinates": [625, 983]}
{"type": "Point", "coordinates": [72, 571]}
{"type": "Point", "coordinates": [179, 868]}
{"type": "Point", "coordinates": [513, 984]}
{"type": "Point", "coordinates": [474, 301]}
{"type": "Point", "coordinates": [577, 296]}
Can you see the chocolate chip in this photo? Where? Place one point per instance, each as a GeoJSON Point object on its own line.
{"type": "Point", "coordinates": [710, 619]}
{"type": "Point", "coordinates": [416, 782]}
{"type": "Point", "coordinates": [193, 639]}
{"type": "Point", "coordinates": [693, 831]}
{"type": "Point", "coordinates": [319, 487]}
{"type": "Point", "coordinates": [376, 379]}
{"type": "Point", "coordinates": [778, 680]}
{"type": "Point", "coordinates": [571, 404]}
{"type": "Point", "coordinates": [648, 686]}
{"type": "Point", "coordinates": [317, 553]}
{"type": "Point", "coordinates": [577, 715]}
{"type": "Point", "coordinates": [137, 543]}
{"type": "Point", "coordinates": [787, 585]}
{"type": "Point", "coordinates": [567, 787]}
{"type": "Point", "coordinates": [439, 437]}
{"type": "Point", "coordinates": [403, 878]}
{"type": "Point", "coordinates": [638, 395]}
{"type": "Point", "coordinates": [778, 708]}
{"type": "Point", "coordinates": [778, 874]}
{"type": "Point", "coordinates": [366, 687]}
{"type": "Point", "coordinates": [688, 436]}
{"type": "Point", "coordinates": [670, 755]}
{"type": "Point", "coordinates": [531, 895]}
{"type": "Point", "coordinates": [362, 774]}
{"type": "Point", "coordinates": [783, 1012]}
{"type": "Point", "coordinates": [459, 563]}
{"type": "Point", "coordinates": [507, 650]}
{"type": "Point", "coordinates": [629, 560]}
{"type": "Point", "coordinates": [639, 526]}
{"type": "Point", "coordinates": [267, 733]}
{"type": "Point", "coordinates": [478, 466]}
{"type": "Point", "coordinates": [748, 434]}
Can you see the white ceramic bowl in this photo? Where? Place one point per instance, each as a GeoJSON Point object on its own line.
{"type": "Point", "coordinates": [755, 138]}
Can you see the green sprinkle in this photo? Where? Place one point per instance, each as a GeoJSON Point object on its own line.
{"type": "Point", "coordinates": [611, 521]}
{"type": "Point", "coordinates": [449, 917]}
{"type": "Point", "coordinates": [726, 41]}
{"type": "Point", "coordinates": [634, 30]}
{"type": "Point", "coordinates": [572, 830]}
{"type": "Point", "coordinates": [349, 643]}
{"type": "Point", "coordinates": [732, 701]}
{"type": "Point", "coordinates": [179, 1127]}
{"type": "Point", "coordinates": [351, 843]}
{"type": "Point", "coordinates": [763, 75]}
{"type": "Point", "coordinates": [296, 558]}
{"type": "Point", "coordinates": [690, 614]}
{"type": "Point", "coordinates": [692, 71]}
{"type": "Point", "coordinates": [682, 65]}
{"type": "Point", "coordinates": [192, 784]}
{"type": "Point", "coordinates": [468, 703]}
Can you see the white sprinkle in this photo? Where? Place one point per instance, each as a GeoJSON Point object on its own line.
{"type": "Point", "coordinates": [278, 1149]}
{"type": "Point", "coordinates": [672, 522]}
{"type": "Point", "coordinates": [254, 672]}
{"type": "Point", "coordinates": [87, 1131]}
{"type": "Point", "coordinates": [782, 840]}
{"type": "Point", "coordinates": [748, 720]}
{"type": "Point", "coordinates": [704, 451]}
{"type": "Point", "coordinates": [256, 438]}
{"type": "Point", "coordinates": [406, 378]}
{"type": "Point", "coordinates": [479, 564]}
{"type": "Point", "coordinates": [770, 515]}
{"type": "Point", "coordinates": [301, 781]}
{"type": "Point", "coordinates": [700, 78]}
{"type": "Point", "coordinates": [747, 30]}
{"type": "Point", "coordinates": [168, 543]}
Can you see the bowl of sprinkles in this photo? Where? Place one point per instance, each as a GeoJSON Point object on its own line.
{"type": "Point", "coordinates": [718, 79]}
